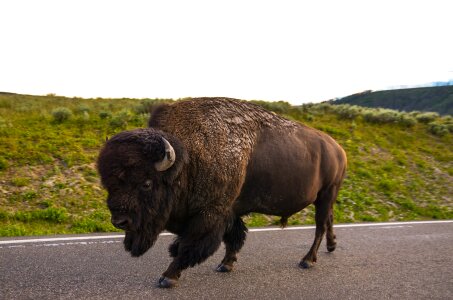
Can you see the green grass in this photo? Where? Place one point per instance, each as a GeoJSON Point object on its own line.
{"type": "Point", "coordinates": [49, 183]}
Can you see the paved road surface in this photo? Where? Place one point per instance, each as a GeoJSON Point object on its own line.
{"type": "Point", "coordinates": [381, 261]}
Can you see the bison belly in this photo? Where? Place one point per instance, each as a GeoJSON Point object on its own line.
{"type": "Point", "coordinates": [282, 175]}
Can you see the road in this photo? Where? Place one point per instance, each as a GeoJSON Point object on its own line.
{"type": "Point", "coordinates": [372, 261]}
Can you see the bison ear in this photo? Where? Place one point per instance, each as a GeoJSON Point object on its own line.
{"type": "Point", "coordinates": [169, 158]}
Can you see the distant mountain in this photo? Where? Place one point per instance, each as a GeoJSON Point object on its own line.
{"type": "Point", "coordinates": [435, 98]}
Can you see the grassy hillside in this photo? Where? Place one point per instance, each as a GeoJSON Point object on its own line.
{"type": "Point", "coordinates": [398, 170]}
{"type": "Point", "coordinates": [436, 99]}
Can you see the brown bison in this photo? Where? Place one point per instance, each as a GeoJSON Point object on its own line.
{"type": "Point", "coordinates": [203, 164]}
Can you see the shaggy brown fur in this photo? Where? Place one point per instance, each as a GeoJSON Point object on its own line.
{"type": "Point", "coordinates": [232, 158]}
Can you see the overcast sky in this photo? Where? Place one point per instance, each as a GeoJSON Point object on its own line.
{"type": "Point", "coordinates": [298, 51]}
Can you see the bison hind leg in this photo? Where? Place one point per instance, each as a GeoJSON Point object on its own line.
{"type": "Point", "coordinates": [234, 239]}
{"type": "Point", "coordinates": [283, 222]}
{"type": "Point", "coordinates": [324, 222]}
{"type": "Point", "coordinates": [330, 236]}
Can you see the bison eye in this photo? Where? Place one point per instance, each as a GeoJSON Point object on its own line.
{"type": "Point", "coordinates": [147, 185]}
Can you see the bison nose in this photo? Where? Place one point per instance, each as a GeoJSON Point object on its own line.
{"type": "Point", "coordinates": [120, 222]}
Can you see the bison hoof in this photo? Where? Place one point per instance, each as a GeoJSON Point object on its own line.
{"type": "Point", "coordinates": [305, 264]}
{"type": "Point", "coordinates": [224, 268]}
{"type": "Point", "coordinates": [331, 248]}
{"type": "Point", "coordinates": [165, 282]}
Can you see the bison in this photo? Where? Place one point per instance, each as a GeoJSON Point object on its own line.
{"type": "Point", "coordinates": [204, 163]}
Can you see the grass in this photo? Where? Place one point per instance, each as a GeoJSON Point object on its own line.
{"type": "Point", "coordinates": [49, 183]}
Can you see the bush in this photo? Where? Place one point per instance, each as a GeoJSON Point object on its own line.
{"type": "Point", "coordinates": [407, 120]}
{"type": "Point", "coordinates": [57, 215]}
{"type": "Point", "coordinates": [147, 106]}
{"type": "Point", "coordinates": [120, 120]}
{"type": "Point", "coordinates": [85, 117]}
{"type": "Point", "coordinates": [324, 107]}
{"type": "Point", "coordinates": [448, 121]}
{"type": "Point", "coordinates": [450, 127]}
{"type": "Point", "coordinates": [105, 114]}
{"type": "Point", "coordinates": [3, 164]}
{"type": "Point", "coordinates": [144, 107]}
{"type": "Point", "coordinates": [427, 117]}
{"type": "Point", "coordinates": [61, 114]}
{"type": "Point", "coordinates": [346, 111]}
{"type": "Point", "coordinates": [20, 181]}
{"type": "Point", "coordinates": [82, 108]}
{"type": "Point", "coordinates": [381, 116]}
{"type": "Point", "coordinates": [438, 129]}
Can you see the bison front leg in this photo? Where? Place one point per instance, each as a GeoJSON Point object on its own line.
{"type": "Point", "coordinates": [234, 239]}
{"type": "Point", "coordinates": [173, 248]}
{"type": "Point", "coordinates": [201, 239]}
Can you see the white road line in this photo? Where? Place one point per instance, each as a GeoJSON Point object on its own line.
{"type": "Point", "coordinates": [118, 236]}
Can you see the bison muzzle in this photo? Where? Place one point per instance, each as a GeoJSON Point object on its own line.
{"type": "Point", "coordinates": [204, 163]}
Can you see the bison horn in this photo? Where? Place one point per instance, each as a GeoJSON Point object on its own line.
{"type": "Point", "coordinates": [169, 158]}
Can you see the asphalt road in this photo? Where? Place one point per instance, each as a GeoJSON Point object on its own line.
{"type": "Point", "coordinates": [378, 261]}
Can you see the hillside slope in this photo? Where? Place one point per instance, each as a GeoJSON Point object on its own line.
{"type": "Point", "coordinates": [436, 99]}
{"type": "Point", "coordinates": [49, 145]}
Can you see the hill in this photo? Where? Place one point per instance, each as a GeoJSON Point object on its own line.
{"type": "Point", "coordinates": [400, 165]}
{"type": "Point", "coordinates": [434, 99]}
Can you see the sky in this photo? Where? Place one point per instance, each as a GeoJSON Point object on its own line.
{"type": "Point", "coordinates": [297, 51]}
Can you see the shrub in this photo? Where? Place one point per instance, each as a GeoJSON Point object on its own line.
{"type": "Point", "coordinates": [347, 111]}
{"type": "Point", "coordinates": [438, 129]}
{"type": "Point", "coordinates": [427, 117]}
{"type": "Point", "coordinates": [105, 114]}
{"type": "Point", "coordinates": [144, 107]}
{"type": "Point", "coordinates": [308, 117]}
{"type": "Point", "coordinates": [381, 116]}
{"type": "Point", "coordinates": [56, 215]}
{"type": "Point", "coordinates": [29, 195]}
{"type": "Point", "coordinates": [82, 108]}
{"type": "Point", "coordinates": [414, 113]}
{"type": "Point", "coordinates": [139, 120]}
{"type": "Point", "coordinates": [85, 116]}
{"type": "Point", "coordinates": [20, 181]}
{"type": "Point", "coordinates": [448, 121]}
{"type": "Point", "coordinates": [407, 120]}
{"type": "Point", "coordinates": [324, 107]}
{"type": "Point", "coordinates": [3, 164]}
{"type": "Point", "coordinates": [306, 108]}
{"type": "Point", "coordinates": [147, 106]}
{"type": "Point", "coordinates": [61, 114]}
{"type": "Point", "coordinates": [120, 120]}
{"type": "Point", "coordinates": [450, 127]}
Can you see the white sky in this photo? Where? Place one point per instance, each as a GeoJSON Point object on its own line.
{"type": "Point", "coordinates": [298, 51]}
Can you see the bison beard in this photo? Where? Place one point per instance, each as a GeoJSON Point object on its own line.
{"type": "Point", "coordinates": [203, 164]}
{"type": "Point", "coordinates": [151, 223]}
{"type": "Point", "coordinates": [138, 242]}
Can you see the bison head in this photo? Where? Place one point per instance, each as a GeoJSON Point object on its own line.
{"type": "Point", "coordinates": [138, 168]}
